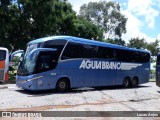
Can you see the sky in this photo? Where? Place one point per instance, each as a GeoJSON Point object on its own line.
{"type": "Point", "coordinates": [143, 17]}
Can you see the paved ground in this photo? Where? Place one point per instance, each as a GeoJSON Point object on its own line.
{"type": "Point", "coordinates": [144, 98]}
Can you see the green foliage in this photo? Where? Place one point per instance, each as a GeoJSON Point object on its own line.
{"type": "Point", "coordinates": [116, 41]}
{"type": "Point", "coordinates": [137, 43]}
{"type": "Point", "coordinates": [106, 15]}
{"type": "Point", "coordinates": [153, 47]}
{"type": "Point", "coordinates": [25, 20]}
{"type": "Point", "coordinates": [142, 44]}
{"type": "Point", "coordinates": [86, 29]}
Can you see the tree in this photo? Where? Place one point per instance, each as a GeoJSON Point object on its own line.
{"type": "Point", "coordinates": [116, 41]}
{"type": "Point", "coordinates": [137, 43]}
{"type": "Point", "coordinates": [106, 15]}
{"type": "Point", "coordinates": [86, 29]}
{"type": "Point", "coordinates": [25, 20]}
{"type": "Point", "coordinates": [4, 21]}
{"type": "Point", "coordinates": [153, 47]}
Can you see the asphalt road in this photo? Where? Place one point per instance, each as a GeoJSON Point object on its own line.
{"type": "Point", "coordinates": [146, 97]}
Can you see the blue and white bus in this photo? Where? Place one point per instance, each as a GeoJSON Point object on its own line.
{"type": "Point", "coordinates": [64, 62]}
{"type": "Point", "coordinates": [158, 70]}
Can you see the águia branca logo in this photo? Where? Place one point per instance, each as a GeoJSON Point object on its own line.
{"type": "Point", "coordinates": [91, 64]}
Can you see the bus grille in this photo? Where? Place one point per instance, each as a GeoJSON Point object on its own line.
{"type": "Point", "coordinates": [1, 74]}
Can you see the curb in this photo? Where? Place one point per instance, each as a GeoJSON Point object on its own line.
{"type": "Point", "coordinates": [3, 87]}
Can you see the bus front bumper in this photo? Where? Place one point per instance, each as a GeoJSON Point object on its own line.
{"type": "Point", "coordinates": [22, 82]}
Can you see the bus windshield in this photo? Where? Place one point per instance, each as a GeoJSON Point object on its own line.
{"type": "Point", "coordinates": [26, 66]}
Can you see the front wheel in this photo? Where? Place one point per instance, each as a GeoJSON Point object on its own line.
{"type": "Point", "coordinates": [127, 82]}
{"type": "Point", "coordinates": [63, 85]}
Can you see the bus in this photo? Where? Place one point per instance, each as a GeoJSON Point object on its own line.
{"type": "Point", "coordinates": [66, 62]}
{"type": "Point", "coordinates": [158, 70]}
{"type": "Point", "coordinates": [4, 63]}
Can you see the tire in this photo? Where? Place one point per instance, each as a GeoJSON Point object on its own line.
{"type": "Point", "coordinates": [63, 85]}
{"type": "Point", "coordinates": [134, 82]}
{"type": "Point", "coordinates": [126, 82]}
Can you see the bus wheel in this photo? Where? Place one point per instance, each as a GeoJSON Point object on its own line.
{"type": "Point", "coordinates": [63, 85]}
{"type": "Point", "coordinates": [134, 82]}
{"type": "Point", "coordinates": [126, 82]}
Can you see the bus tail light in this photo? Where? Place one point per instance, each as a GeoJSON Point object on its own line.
{"type": "Point", "coordinates": [6, 76]}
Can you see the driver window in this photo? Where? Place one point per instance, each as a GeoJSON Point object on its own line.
{"type": "Point", "coordinates": [46, 61]}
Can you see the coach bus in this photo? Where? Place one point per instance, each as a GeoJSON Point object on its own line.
{"type": "Point", "coordinates": [4, 63]}
{"type": "Point", "coordinates": [158, 70]}
{"type": "Point", "coordinates": [65, 62]}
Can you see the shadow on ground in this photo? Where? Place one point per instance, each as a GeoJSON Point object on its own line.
{"type": "Point", "coordinates": [75, 91]}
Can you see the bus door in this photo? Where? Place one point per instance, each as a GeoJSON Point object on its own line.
{"type": "Point", "coordinates": [45, 64]}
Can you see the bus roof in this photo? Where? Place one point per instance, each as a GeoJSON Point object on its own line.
{"type": "Point", "coordinates": [86, 41]}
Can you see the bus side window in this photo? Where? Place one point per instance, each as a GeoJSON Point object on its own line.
{"type": "Point", "coordinates": [106, 53]}
{"type": "Point", "coordinates": [77, 50]}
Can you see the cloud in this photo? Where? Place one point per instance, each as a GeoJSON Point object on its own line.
{"type": "Point", "coordinates": [144, 8]}
{"type": "Point", "coordinates": [158, 37]}
{"type": "Point", "coordinates": [141, 15]}
{"type": "Point", "coordinates": [133, 27]}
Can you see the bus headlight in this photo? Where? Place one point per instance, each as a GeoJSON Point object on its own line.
{"type": "Point", "coordinates": [34, 78]}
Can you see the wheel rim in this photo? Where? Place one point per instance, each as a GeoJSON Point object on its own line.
{"type": "Point", "coordinates": [126, 83]}
{"type": "Point", "coordinates": [134, 82]}
{"type": "Point", "coordinates": [62, 85]}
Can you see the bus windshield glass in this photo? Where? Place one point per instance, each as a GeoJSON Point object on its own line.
{"type": "Point", "coordinates": [2, 54]}
{"type": "Point", "coordinates": [27, 66]}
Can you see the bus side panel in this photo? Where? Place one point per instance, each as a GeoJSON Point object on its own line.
{"type": "Point", "coordinates": [2, 64]}
{"type": "Point", "coordinates": [145, 73]}
{"type": "Point", "coordinates": [106, 77]}
{"type": "Point", "coordinates": [158, 75]}
{"type": "Point", "coordinates": [2, 70]}
{"type": "Point", "coordinates": [43, 83]}
{"type": "Point", "coordinates": [70, 69]}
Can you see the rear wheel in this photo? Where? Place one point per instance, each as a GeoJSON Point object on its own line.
{"type": "Point", "coordinates": [134, 82]}
{"type": "Point", "coordinates": [63, 85]}
{"type": "Point", "coordinates": [126, 82]}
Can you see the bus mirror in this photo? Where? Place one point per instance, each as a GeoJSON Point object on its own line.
{"type": "Point", "coordinates": [40, 50]}
{"type": "Point", "coordinates": [14, 53]}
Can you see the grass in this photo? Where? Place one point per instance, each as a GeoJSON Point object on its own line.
{"type": "Point", "coordinates": [152, 80]}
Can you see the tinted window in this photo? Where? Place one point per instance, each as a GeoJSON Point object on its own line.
{"type": "Point", "coordinates": [46, 61]}
{"type": "Point", "coordinates": [2, 55]}
{"type": "Point", "coordinates": [132, 56]}
{"type": "Point", "coordinates": [158, 58]}
{"type": "Point", "coordinates": [77, 50]}
{"type": "Point", "coordinates": [107, 53]}
{"type": "Point", "coordinates": [58, 44]}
